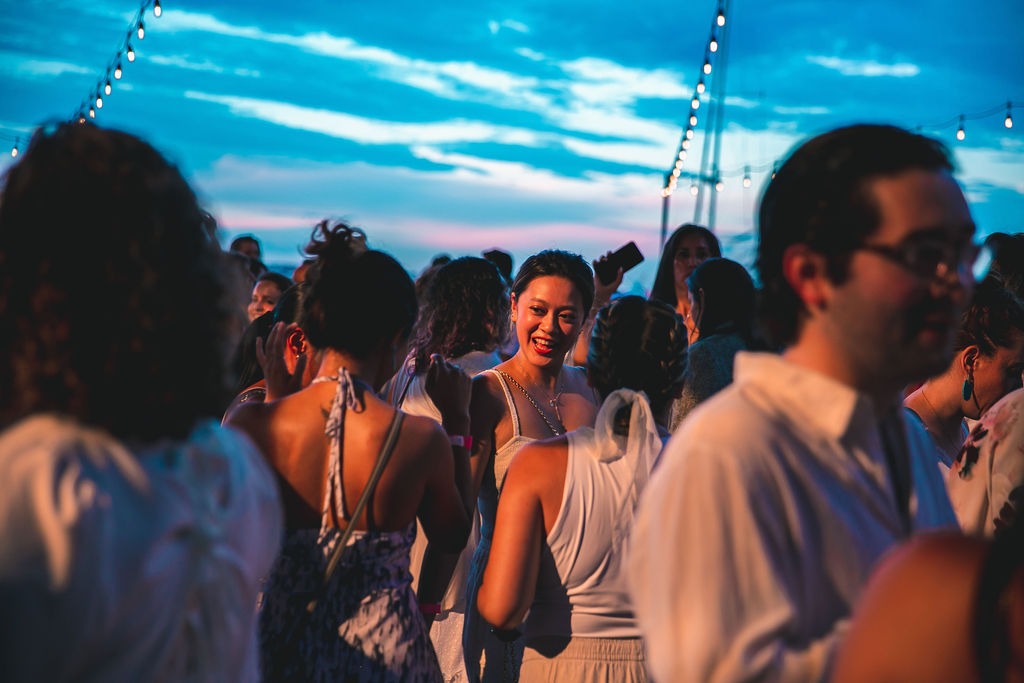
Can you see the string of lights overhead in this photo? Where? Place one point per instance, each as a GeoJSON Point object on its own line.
{"type": "Point", "coordinates": [712, 47]}
{"type": "Point", "coordinates": [114, 71]}
{"type": "Point", "coordinates": [746, 170]}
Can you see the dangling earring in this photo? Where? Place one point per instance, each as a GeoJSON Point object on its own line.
{"type": "Point", "coordinates": [968, 389]}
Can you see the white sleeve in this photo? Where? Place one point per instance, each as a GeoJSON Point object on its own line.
{"type": "Point", "coordinates": [713, 567]}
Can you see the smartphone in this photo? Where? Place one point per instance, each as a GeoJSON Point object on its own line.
{"type": "Point", "coordinates": [627, 256]}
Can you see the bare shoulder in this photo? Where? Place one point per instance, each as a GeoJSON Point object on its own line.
{"type": "Point", "coordinates": [539, 463]}
{"type": "Point", "coordinates": [487, 397]}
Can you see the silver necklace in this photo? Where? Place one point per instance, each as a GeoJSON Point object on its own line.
{"type": "Point", "coordinates": [558, 429]}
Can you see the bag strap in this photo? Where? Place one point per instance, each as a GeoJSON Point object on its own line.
{"type": "Point", "coordinates": [382, 459]}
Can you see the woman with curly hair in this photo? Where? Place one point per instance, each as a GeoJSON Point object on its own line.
{"type": "Point", "coordinates": [463, 318]}
{"type": "Point", "coordinates": [352, 467]}
{"type": "Point", "coordinates": [135, 528]}
{"type": "Point", "coordinates": [568, 502]}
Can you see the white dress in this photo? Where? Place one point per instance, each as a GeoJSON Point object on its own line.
{"type": "Point", "coordinates": [126, 562]}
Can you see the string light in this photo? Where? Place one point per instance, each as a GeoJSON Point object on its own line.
{"type": "Point", "coordinates": [693, 189]}
{"type": "Point", "coordinates": [141, 33]}
{"type": "Point", "coordinates": [92, 113]}
{"type": "Point", "coordinates": [107, 88]}
{"type": "Point", "coordinates": [746, 176]}
{"type": "Point", "coordinates": [1008, 122]}
{"type": "Point", "coordinates": [14, 150]}
{"type": "Point", "coordinates": [130, 54]}
{"type": "Point", "coordinates": [960, 134]}
{"type": "Point", "coordinates": [701, 87]}
{"type": "Point", "coordinates": [157, 9]}
{"type": "Point", "coordinates": [99, 102]}
{"type": "Point", "coordinates": [719, 186]}
{"type": "Point", "coordinates": [118, 71]}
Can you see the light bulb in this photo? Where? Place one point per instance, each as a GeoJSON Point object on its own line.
{"type": "Point", "coordinates": [117, 71]}
{"type": "Point", "coordinates": [92, 113]}
{"type": "Point", "coordinates": [719, 185]}
{"type": "Point", "coordinates": [679, 164]}
{"type": "Point", "coordinates": [1009, 118]}
{"type": "Point", "coordinates": [695, 104]}
{"type": "Point", "coordinates": [700, 87]}
{"type": "Point", "coordinates": [693, 190]}
{"type": "Point", "coordinates": [686, 144]}
{"type": "Point", "coordinates": [960, 134]}
{"type": "Point", "coordinates": [99, 102]}
{"type": "Point", "coordinates": [713, 45]}
{"type": "Point", "coordinates": [130, 53]}
{"type": "Point", "coordinates": [682, 155]}
{"type": "Point", "coordinates": [693, 120]}
{"type": "Point", "coordinates": [107, 88]}
{"type": "Point", "coordinates": [721, 18]}
{"type": "Point", "coordinates": [142, 30]}
{"type": "Point", "coordinates": [746, 181]}
{"type": "Point", "coordinates": [707, 67]}
{"type": "Point", "coordinates": [157, 9]}
{"type": "Point", "coordinates": [689, 133]}
{"type": "Point", "coordinates": [14, 150]}
{"type": "Point", "coordinates": [675, 172]}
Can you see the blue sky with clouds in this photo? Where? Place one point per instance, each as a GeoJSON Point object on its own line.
{"type": "Point", "coordinates": [525, 124]}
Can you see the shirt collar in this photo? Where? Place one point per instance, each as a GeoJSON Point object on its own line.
{"type": "Point", "coordinates": [830, 406]}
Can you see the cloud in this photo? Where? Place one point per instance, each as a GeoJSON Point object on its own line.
{"type": "Point", "coordinates": [182, 62]}
{"type": "Point", "coordinates": [15, 64]}
{"type": "Point", "coordinates": [870, 68]}
{"type": "Point", "coordinates": [368, 131]}
{"type": "Point", "coordinates": [511, 24]}
{"type": "Point", "coordinates": [532, 55]}
{"type": "Point", "coordinates": [797, 111]}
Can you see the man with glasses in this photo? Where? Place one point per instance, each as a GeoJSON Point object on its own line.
{"type": "Point", "coordinates": [775, 498]}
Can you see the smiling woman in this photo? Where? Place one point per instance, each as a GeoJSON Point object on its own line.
{"type": "Point", "coordinates": [528, 397]}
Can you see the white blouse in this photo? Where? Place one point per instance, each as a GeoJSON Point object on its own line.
{"type": "Point", "coordinates": [131, 563]}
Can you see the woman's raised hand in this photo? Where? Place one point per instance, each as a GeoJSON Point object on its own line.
{"type": "Point", "coordinates": [280, 378]}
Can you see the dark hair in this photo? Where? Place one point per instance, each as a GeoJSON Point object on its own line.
{"type": "Point", "coordinates": [1008, 260]}
{"type": "Point", "coordinates": [245, 364]}
{"type": "Point", "coordinates": [727, 304]}
{"type": "Point", "coordinates": [242, 239]}
{"type": "Point", "coordinates": [557, 263]}
{"type": "Point", "coordinates": [282, 282]}
{"type": "Point", "coordinates": [640, 345]}
{"type": "Point", "coordinates": [112, 307]}
{"type": "Point", "coordinates": [501, 259]}
{"type": "Point", "coordinates": [358, 298]}
{"type": "Point", "coordinates": [464, 309]}
{"type": "Point", "coordinates": [664, 288]}
{"type": "Point", "coordinates": [820, 197]}
{"type": "Point", "coordinates": [992, 318]}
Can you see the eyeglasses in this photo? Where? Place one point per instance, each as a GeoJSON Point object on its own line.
{"type": "Point", "coordinates": [929, 260]}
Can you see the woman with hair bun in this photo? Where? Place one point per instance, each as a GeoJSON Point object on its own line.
{"type": "Point", "coordinates": [568, 503]}
{"type": "Point", "coordinates": [329, 443]}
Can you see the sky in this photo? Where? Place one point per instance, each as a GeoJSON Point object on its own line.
{"type": "Point", "coordinates": [455, 127]}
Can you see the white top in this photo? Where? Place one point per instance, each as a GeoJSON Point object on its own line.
{"type": "Point", "coordinates": [409, 394]}
{"type": "Point", "coordinates": [990, 466]}
{"type": "Point", "coordinates": [131, 564]}
{"type": "Point", "coordinates": [583, 592]}
{"type": "Point", "coordinates": [759, 529]}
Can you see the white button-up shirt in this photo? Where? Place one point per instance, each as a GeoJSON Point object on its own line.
{"type": "Point", "coordinates": [771, 505]}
